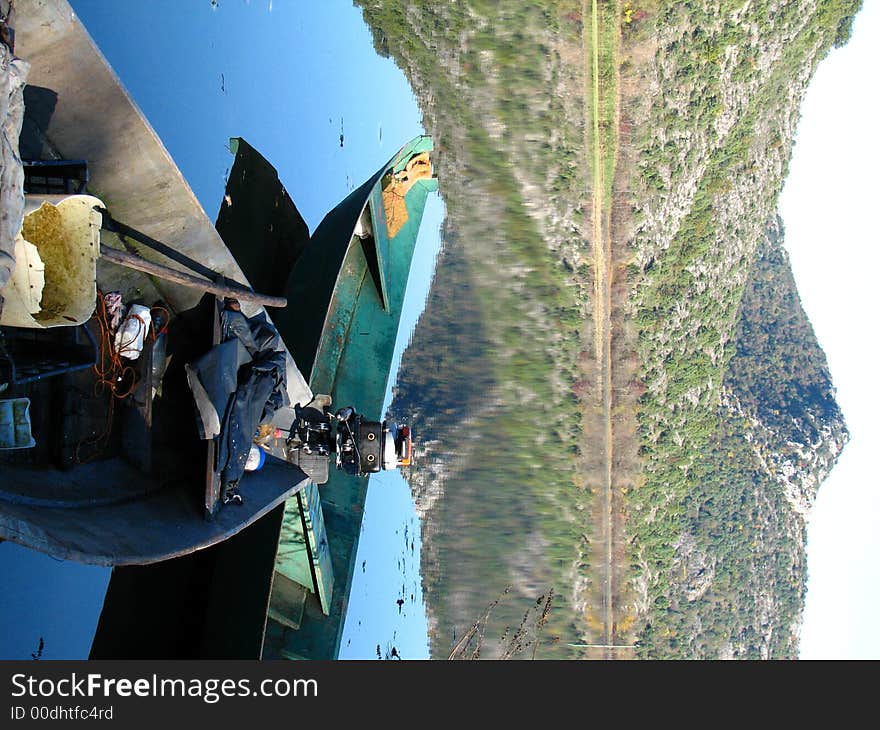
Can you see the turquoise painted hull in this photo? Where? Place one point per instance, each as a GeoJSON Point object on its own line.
{"type": "Point", "coordinates": [280, 588]}
{"type": "Point", "coordinates": [345, 297]}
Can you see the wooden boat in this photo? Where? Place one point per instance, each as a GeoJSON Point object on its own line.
{"type": "Point", "coordinates": [184, 586]}
{"type": "Point", "coordinates": [361, 255]}
{"type": "Point", "coordinates": [122, 507]}
{"type": "Point", "coordinates": [113, 478]}
{"type": "Point", "coordinates": [281, 586]}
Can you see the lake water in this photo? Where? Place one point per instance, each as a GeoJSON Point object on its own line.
{"type": "Point", "coordinates": [302, 83]}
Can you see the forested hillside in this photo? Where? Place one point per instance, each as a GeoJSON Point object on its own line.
{"type": "Point", "coordinates": [713, 123]}
{"type": "Point", "coordinates": [736, 419]}
{"type": "Point", "coordinates": [730, 578]}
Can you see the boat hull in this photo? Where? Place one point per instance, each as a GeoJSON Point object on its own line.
{"type": "Point", "coordinates": [138, 530]}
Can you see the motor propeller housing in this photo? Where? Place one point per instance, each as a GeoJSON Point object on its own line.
{"type": "Point", "coordinates": [361, 447]}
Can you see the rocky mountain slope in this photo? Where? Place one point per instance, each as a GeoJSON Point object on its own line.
{"type": "Point", "coordinates": [713, 130]}
{"type": "Point", "coordinates": [732, 579]}
{"type": "Point", "coordinates": [737, 423]}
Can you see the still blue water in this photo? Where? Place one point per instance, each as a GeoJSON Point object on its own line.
{"type": "Point", "coordinates": [302, 83]}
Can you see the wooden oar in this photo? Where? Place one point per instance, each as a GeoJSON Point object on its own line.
{"type": "Point", "coordinates": [220, 289]}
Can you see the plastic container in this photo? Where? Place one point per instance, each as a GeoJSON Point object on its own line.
{"type": "Point", "coordinates": [32, 354]}
{"type": "Point", "coordinates": [15, 424]}
{"type": "Point", "coordinates": [131, 333]}
{"type": "Point", "coordinates": [256, 459]}
{"type": "Point", "coordinates": [53, 282]}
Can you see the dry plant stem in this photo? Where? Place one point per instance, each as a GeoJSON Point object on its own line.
{"type": "Point", "coordinates": [542, 621]}
{"type": "Point", "coordinates": [512, 644]}
{"type": "Point", "coordinates": [466, 639]}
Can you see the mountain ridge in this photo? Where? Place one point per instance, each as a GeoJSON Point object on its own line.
{"type": "Point", "coordinates": [710, 95]}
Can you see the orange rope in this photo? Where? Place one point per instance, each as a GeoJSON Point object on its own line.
{"type": "Point", "coordinates": [167, 319]}
{"type": "Point", "coordinates": [110, 368]}
{"type": "Point", "coordinates": [114, 375]}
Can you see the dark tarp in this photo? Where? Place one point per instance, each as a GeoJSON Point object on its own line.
{"type": "Point", "coordinates": [237, 385]}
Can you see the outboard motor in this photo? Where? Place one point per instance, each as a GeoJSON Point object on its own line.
{"type": "Point", "coordinates": [361, 447]}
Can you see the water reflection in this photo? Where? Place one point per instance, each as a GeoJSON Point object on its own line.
{"type": "Point", "coordinates": [567, 374]}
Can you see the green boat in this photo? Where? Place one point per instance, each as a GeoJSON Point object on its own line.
{"type": "Point", "coordinates": [279, 589]}
{"type": "Point", "coordinates": [182, 585]}
{"type": "Point", "coordinates": [349, 285]}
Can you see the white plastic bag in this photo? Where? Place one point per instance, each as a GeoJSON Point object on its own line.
{"type": "Point", "coordinates": [131, 334]}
